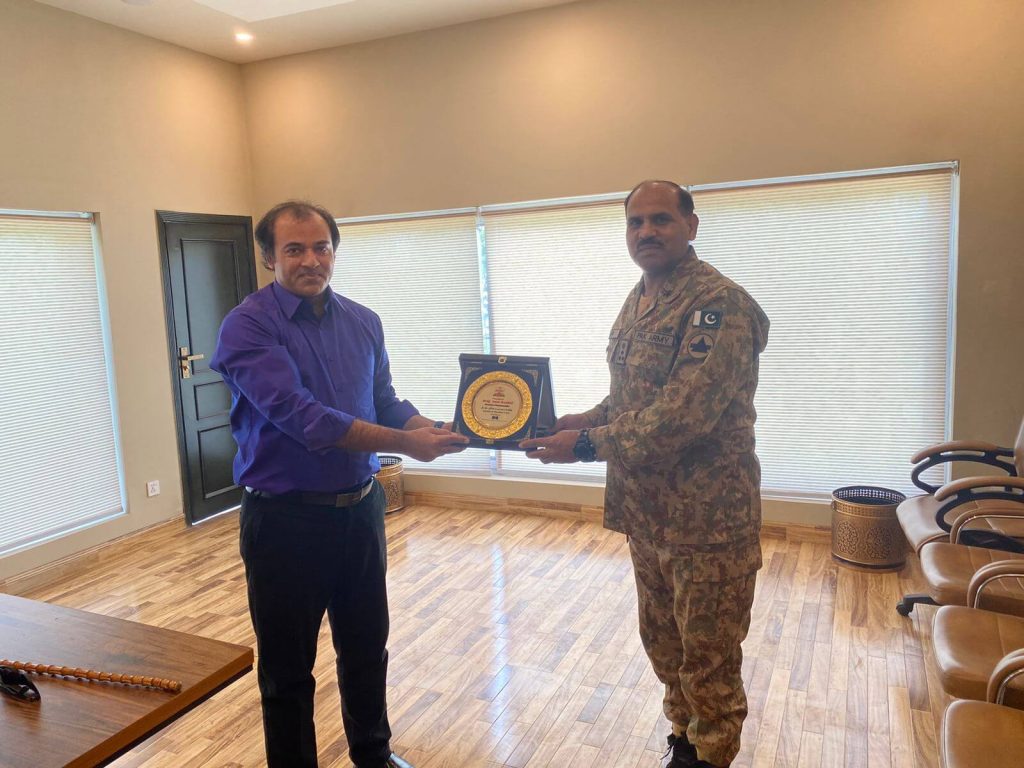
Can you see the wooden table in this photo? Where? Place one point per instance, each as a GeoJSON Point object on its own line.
{"type": "Point", "coordinates": [79, 723]}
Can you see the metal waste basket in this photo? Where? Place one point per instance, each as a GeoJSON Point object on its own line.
{"type": "Point", "coordinates": [390, 479]}
{"type": "Point", "coordinates": [865, 531]}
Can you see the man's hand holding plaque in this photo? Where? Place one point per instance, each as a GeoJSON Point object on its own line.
{"type": "Point", "coordinates": [561, 446]}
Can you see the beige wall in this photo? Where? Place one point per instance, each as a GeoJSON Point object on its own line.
{"type": "Point", "coordinates": [594, 96]}
{"type": "Point", "coordinates": [93, 118]}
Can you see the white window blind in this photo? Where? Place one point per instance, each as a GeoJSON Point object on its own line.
{"type": "Point", "coordinates": [557, 278]}
{"type": "Point", "coordinates": [422, 277]}
{"type": "Point", "coordinates": [854, 275]}
{"type": "Point", "coordinates": [57, 436]}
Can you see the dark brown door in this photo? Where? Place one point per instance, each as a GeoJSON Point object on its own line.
{"type": "Point", "coordinates": [208, 270]}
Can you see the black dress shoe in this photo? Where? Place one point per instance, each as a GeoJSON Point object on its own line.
{"type": "Point", "coordinates": [396, 762]}
{"type": "Point", "coordinates": [680, 753]}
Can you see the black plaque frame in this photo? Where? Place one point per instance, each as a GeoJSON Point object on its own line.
{"type": "Point", "coordinates": [535, 371]}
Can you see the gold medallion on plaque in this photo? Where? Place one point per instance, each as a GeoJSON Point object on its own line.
{"type": "Point", "coordinates": [497, 404]}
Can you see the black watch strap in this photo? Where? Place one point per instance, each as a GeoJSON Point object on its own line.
{"type": "Point", "coordinates": [584, 450]}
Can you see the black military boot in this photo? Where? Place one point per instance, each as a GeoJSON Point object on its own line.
{"type": "Point", "coordinates": [680, 753]}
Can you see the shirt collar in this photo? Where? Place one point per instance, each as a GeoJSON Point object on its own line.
{"type": "Point", "coordinates": [680, 274]}
{"type": "Point", "coordinates": [290, 303]}
{"type": "Point", "coordinates": [677, 278]}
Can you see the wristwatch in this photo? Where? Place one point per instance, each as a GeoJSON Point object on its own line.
{"type": "Point", "coordinates": [584, 450]}
{"type": "Point", "coordinates": [438, 425]}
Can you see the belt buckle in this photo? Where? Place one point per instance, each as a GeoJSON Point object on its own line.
{"type": "Point", "coordinates": [353, 497]}
{"type": "Point", "coordinates": [362, 493]}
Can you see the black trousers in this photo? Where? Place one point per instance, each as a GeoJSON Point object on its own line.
{"type": "Point", "coordinates": [301, 560]}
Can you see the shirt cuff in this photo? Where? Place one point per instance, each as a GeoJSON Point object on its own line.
{"type": "Point", "coordinates": [327, 430]}
{"type": "Point", "coordinates": [602, 442]}
{"type": "Point", "coordinates": [597, 416]}
{"type": "Point", "coordinates": [397, 414]}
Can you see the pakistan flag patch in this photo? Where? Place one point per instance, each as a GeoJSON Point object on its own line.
{"type": "Point", "coordinates": [707, 318]}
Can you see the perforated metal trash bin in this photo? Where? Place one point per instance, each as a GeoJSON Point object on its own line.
{"type": "Point", "coordinates": [390, 479]}
{"type": "Point", "coordinates": [865, 531]}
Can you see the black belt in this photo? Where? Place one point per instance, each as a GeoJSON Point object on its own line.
{"type": "Point", "coordinates": [343, 499]}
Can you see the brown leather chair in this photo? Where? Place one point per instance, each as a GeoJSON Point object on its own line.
{"type": "Point", "coordinates": [928, 518]}
{"type": "Point", "coordinates": [969, 644]}
{"type": "Point", "coordinates": [973, 576]}
{"type": "Point", "coordinates": [985, 733]}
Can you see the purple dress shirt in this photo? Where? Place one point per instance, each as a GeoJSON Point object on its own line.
{"type": "Point", "coordinates": [297, 382]}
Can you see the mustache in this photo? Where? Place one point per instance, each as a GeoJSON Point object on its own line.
{"type": "Point", "coordinates": [648, 241]}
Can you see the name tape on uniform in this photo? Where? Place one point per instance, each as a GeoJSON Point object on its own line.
{"type": "Point", "coordinates": [661, 339]}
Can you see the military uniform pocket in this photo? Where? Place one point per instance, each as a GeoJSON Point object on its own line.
{"type": "Point", "coordinates": [651, 361]}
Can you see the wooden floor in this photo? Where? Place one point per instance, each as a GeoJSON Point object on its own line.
{"type": "Point", "coordinates": [514, 643]}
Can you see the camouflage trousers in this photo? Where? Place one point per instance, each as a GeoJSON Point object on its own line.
{"type": "Point", "coordinates": [694, 613]}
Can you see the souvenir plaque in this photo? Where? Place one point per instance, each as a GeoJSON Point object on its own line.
{"type": "Point", "coordinates": [504, 399]}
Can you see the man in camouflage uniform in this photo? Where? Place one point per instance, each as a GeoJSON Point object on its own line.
{"type": "Point", "coordinates": [677, 431]}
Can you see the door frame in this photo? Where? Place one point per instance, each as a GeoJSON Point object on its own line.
{"type": "Point", "coordinates": [165, 218]}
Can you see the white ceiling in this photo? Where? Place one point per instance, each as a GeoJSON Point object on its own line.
{"type": "Point", "coordinates": [281, 27]}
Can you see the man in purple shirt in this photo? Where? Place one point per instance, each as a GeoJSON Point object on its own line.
{"type": "Point", "coordinates": [312, 403]}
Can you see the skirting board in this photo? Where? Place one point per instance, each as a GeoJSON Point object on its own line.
{"type": "Point", "coordinates": [21, 583]}
{"type": "Point", "coordinates": [581, 501]}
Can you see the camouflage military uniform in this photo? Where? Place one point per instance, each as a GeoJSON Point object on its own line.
{"type": "Point", "coordinates": [677, 431]}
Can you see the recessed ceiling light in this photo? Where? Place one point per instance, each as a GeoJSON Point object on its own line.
{"type": "Point", "coordinates": [243, 37]}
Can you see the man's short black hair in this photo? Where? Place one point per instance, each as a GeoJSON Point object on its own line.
{"type": "Point", "coordinates": [685, 199]}
{"type": "Point", "coordinates": [297, 209]}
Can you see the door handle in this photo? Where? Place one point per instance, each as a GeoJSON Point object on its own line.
{"type": "Point", "coordinates": [185, 362]}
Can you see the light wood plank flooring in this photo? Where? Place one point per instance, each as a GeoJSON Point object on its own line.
{"type": "Point", "coordinates": [514, 643]}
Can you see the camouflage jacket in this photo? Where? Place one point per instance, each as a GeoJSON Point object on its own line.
{"type": "Point", "coordinates": [677, 428]}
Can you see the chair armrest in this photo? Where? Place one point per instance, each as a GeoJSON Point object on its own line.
{"type": "Point", "coordinates": [960, 450]}
{"type": "Point", "coordinates": [960, 445]}
{"type": "Point", "coordinates": [988, 509]}
{"type": "Point", "coordinates": [975, 489]}
{"type": "Point", "coordinates": [982, 481]}
{"type": "Point", "coordinates": [1009, 667]}
{"type": "Point", "coordinates": [991, 573]}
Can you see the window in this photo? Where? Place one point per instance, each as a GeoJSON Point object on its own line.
{"type": "Point", "coordinates": [421, 276]}
{"type": "Point", "coordinates": [557, 279]}
{"type": "Point", "coordinates": [854, 275]}
{"type": "Point", "coordinates": [854, 271]}
{"type": "Point", "coordinates": [58, 441]}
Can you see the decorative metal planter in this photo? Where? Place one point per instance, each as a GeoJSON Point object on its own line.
{"type": "Point", "coordinates": [865, 531]}
{"type": "Point", "coordinates": [390, 479]}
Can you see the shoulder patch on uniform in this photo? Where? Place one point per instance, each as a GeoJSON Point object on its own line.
{"type": "Point", "coordinates": [661, 339]}
{"type": "Point", "coordinates": [700, 346]}
{"type": "Point", "coordinates": [707, 318]}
